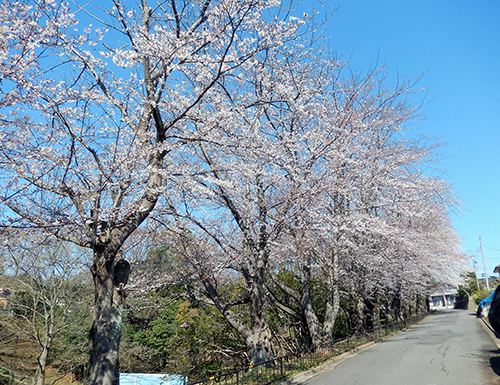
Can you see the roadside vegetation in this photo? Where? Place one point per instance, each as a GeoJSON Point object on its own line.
{"type": "Point", "coordinates": [476, 290]}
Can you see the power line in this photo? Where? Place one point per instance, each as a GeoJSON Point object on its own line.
{"type": "Point", "coordinates": [491, 248]}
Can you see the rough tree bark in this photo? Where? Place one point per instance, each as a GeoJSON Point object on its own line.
{"type": "Point", "coordinates": [106, 329]}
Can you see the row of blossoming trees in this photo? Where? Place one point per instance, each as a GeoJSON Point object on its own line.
{"type": "Point", "coordinates": [224, 126]}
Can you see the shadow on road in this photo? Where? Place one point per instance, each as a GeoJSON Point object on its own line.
{"type": "Point", "coordinates": [495, 361]}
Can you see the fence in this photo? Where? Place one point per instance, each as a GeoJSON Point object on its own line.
{"type": "Point", "coordinates": [282, 367]}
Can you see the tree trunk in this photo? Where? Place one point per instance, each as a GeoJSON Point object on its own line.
{"type": "Point", "coordinates": [404, 310]}
{"type": "Point", "coordinates": [388, 311]}
{"type": "Point", "coordinates": [260, 341]}
{"type": "Point", "coordinates": [106, 328]}
{"type": "Point", "coordinates": [42, 363]}
{"type": "Point", "coordinates": [260, 344]}
{"type": "Point", "coordinates": [359, 322]}
{"type": "Point", "coordinates": [317, 333]}
{"type": "Point", "coordinates": [321, 333]}
{"type": "Point", "coordinates": [412, 306]}
{"type": "Point", "coordinates": [45, 343]}
{"type": "Point", "coordinates": [393, 311]}
{"type": "Point", "coordinates": [333, 297]}
{"type": "Point", "coordinates": [307, 308]}
{"type": "Point", "coordinates": [374, 307]}
{"type": "Point", "coordinates": [422, 304]}
{"type": "Point", "coordinates": [389, 317]}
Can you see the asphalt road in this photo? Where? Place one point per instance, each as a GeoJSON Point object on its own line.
{"type": "Point", "coordinates": [450, 347]}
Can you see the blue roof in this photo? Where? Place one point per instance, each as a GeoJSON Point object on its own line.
{"type": "Point", "coordinates": [151, 379]}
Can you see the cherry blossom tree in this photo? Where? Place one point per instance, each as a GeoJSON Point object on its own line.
{"type": "Point", "coordinates": [244, 187]}
{"type": "Point", "coordinates": [405, 212]}
{"type": "Point", "coordinates": [408, 211]}
{"type": "Point", "coordinates": [97, 103]}
{"type": "Point", "coordinates": [310, 169]}
{"type": "Point", "coordinates": [356, 230]}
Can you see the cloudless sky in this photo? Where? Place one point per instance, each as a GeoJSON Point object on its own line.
{"type": "Point", "coordinates": [456, 46]}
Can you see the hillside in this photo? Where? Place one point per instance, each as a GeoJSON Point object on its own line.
{"type": "Point", "coordinates": [18, 353]}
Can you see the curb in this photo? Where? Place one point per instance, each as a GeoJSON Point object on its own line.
{"type": "Point", "coordinates": [489, 330]}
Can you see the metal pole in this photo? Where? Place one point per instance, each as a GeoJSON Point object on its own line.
{"type": "Point", "coordinates": [484, 265]}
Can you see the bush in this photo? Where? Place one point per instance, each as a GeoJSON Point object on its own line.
{"type": "Point", "coordinates": [480, 295]}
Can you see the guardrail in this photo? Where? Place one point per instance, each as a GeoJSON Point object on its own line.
{"type": "Point", "coordinates": [282, 367]}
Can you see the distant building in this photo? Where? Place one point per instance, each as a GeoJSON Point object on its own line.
{"type": "Point", "coordinates": [443, 297]}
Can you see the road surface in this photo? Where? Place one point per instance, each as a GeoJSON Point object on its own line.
{"type": "Point", "coordinates": [449, 348]}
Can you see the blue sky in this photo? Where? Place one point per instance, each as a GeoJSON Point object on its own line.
{"type": "Point", "coordinates": [456, 46]}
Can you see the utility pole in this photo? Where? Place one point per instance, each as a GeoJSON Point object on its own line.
{"type": "Point", "coordinates": [484, 265]}
{"type": "Point", "coordinates": [475, 274]}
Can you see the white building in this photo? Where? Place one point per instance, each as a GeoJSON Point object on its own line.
{"type": "Point", "coordinates": [443, 297]}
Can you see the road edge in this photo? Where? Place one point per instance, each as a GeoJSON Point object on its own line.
{"type": "Point", "coordinates": [489, 330]}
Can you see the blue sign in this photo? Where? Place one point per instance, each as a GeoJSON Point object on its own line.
{"type": "Point", "coordinates": [151, 379]}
